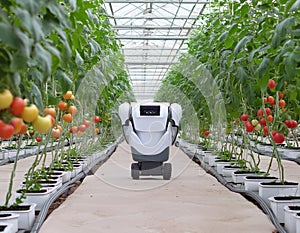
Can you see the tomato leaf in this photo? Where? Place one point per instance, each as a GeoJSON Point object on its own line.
{"type": "Point", "coordinates": [295, 6]}
{"type": "Point", "coordinates": [36, 96]}
{"type": "Point", "coordinates": [241, 44]}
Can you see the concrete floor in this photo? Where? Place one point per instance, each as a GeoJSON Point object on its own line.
{"type": "Point", "coordinates": [191, 202]}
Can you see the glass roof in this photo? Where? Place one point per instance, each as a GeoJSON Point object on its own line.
{"type": "Point", "coordinates": [152, 33]}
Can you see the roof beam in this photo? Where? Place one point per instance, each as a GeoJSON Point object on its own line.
{"type": "Point", "coordinates": [151, 49]}
{"type": "Point", "coordinates": [152, 37]}
{"type": "Point", "coordinates": [150, 63]}
{"type": "Point", "coordinates": [152, 17]}
{"type": "Point", "coordinates": [133, 27]}
{"type": "Point", "coordinates": [158, 1]}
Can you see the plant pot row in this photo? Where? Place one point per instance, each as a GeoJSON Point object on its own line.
{"type": "Point", "coordinates": [281, 197]}
{"type": "Point", "coordinates": [35, 199]}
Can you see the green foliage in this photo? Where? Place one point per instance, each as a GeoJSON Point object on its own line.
{"type": "Point", "coordinates": [244, 44]}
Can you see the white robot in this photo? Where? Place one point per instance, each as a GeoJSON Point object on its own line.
{"type": "Point", "coordinates": [150, 129]}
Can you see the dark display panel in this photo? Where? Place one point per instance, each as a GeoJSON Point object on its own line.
{"type": "Point", "coordinates": [149, 110]}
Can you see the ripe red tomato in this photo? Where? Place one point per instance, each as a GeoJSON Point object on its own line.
{"type": "Point", "coordinates": [278, 138]}
{"type": "Point", "coordinates": [6, 130]}
{"type": "Point", "coordinates": [270, 118]}
{"type": "Point", "coordinates": [206, 133]}
{"type": "Point", "coordinates": [86, 123]}
{"type": "Point", "coordinates": [288, 123]}
{"type": "Point", "coordinates": [23, 129]}
{"type": "Point", "coordinates": [72, 110]}
{"type": "Point", "coordinates": [280, 95]}
{"type": "Point", "coordinates": [67, 117]}
{"type": "Point", "coordinates": [17, 106]}
{"type": "Point", "coordinates": [82, 128]}
{"type": "Point", "coordinates": [260, 113]}
{"type": "Point", "coordinates": [268, 111]}
{"type": "Point", "coordinates": [244, 117]}
{"type": "Point", "coordinates": [96, 119]}
{"type": "Point", "coordinates": [50, 111]}
{"type": "Point", "coordinates": [263, 121]}
{"type": "Point", "coordinates": [281, 103]}
{"type": "Point", "coordinates": [74, 129]}
{"type": "Point", "coordinates": [62, 105]}
{"type": "Point", "coordinates": [271, 84]}
{"type": "Point", "coordinates": [266, 130]}
{"type": "Point", "coordinates": [17, 123]}
{"type": "Point", "coordinates": [38, 139]}
{"type": "Point", "coordinates": [249, 126]}
{"type": "Point", "coordinates": [293, 124]}
{"type": "Point", "coordinates": [68, 95]}
{"type": "Point", "coordinates": [271, 100]}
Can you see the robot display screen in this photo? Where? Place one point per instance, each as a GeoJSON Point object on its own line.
{"type": "Point", "coordinates": [149, 110]}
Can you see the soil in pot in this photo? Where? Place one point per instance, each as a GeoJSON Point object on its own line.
{"type": "Point", "coordinates": [279, 183]}
{"type": "Point", "coordinates": [2, 228]}
{"type": "Point", "coordinates": [286, 198]}
{"type": "Point", "coordinates": [15, 208]}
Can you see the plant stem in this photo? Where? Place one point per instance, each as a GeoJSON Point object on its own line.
{"type": "Point", "coordinates": [12, 175]}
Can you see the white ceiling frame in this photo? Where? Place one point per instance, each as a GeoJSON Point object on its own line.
{"type": "Point", "coordinates": [153, 34]}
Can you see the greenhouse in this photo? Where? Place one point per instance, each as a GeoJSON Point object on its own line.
{"type": "Point", "coordinates": [149, 116]}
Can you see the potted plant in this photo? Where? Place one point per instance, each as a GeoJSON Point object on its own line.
{"type": "Point", "coordinates": [272, 128]}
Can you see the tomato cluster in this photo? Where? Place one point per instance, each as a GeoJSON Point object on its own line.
{"type": "Point", "coordinates": [265, 116]}
{"type": "Point", "coordinates": [15, 113]}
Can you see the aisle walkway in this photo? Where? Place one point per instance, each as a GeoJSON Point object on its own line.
{"type": "Point", "coordinates": [192, 202]}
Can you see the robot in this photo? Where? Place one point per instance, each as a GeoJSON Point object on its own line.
{"type": "Point", "coordinates": [150, 129]}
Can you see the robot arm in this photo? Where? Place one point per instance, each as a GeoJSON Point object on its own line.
{"type": "Point", "coordinates": [125, 115]}
{"type": "Point", "coordinates": [176, 114]}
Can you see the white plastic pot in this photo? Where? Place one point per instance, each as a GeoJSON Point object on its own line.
{"type": "Point", "coordinates": [252, 182]}
{"type": "Point", "coordinates": [278, 203]}
{"type": "Point", "coordinates": [271, 189]}
{"type": "Point", "coordinates": [9, 218]}
{"type": "Point", "coordinates": [290, 217]}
